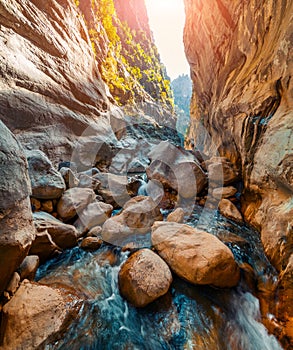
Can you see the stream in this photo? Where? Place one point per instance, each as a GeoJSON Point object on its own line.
{"type": "Point", "coordinates": [187, 317]}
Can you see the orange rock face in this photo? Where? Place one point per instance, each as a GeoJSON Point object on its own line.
{"type": "Point", "coordinates": [240, 58]}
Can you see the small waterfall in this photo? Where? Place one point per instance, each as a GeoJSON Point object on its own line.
{"type": "Point", "coordinates": [142, 191]}
{"type": "Point", "coordinates": [251, 333]}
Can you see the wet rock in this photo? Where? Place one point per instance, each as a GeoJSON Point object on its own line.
{"type": "Point", "coordinates": [69, 177]}
{"type": "Point", "coordinates": [137, 217]}
{"type": "Point", "coordinates": [195, 255]}
{"type": "Point", "coordinates": [91, 243]}
{"type": "Point", "coordinates": [95, 214]}
{"type": "Point", "coordinates": [177, 169]}
{"type": "Point", "coordinates": [144, 277]}
{"type": "Point", "coordinates": [131, 246]}
{"type": "Point", "coordinates": [73, 201]}
{"type": "Point", "coordinates": [107, 257]}
{"type": "Point", "coordinates": [28, 267]}
{"type": "Point", "coordinates": [229, 210]}
{"type": "Point", "coordinates": [224, 192]}
{"type": "Point", "coordinates": [221, 171]}
{"type": "Point", "coordinates": [65, 236]}
{"type": "Point", "coordinates": [46, 182]}
{"type": "Point", "coordinates": [16, 225]}
{"type": "Point", "coordinates": [44, 247]}
{"type": "Point", "coordinates": [33, 314]}
{"type": "Point", "coordinates": [176, 216]}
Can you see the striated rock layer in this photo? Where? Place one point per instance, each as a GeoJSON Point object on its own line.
{"type": "Point", "coordinates": [240, 54]}
{"type": "Point", "coordinates": [59, 77]}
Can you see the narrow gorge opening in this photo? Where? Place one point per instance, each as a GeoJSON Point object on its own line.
{"type": "Point", "coordinates": [113, 235]}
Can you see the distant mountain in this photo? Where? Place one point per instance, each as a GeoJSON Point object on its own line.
{"type": "Point", "coordinates": [182, 90]}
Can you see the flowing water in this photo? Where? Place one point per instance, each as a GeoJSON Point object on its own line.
{"type": "Point", "coordinates": [188, 317]}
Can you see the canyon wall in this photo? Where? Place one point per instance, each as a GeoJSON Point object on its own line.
{"type": "Point", "coordinates": [60, 72]}
{"type": "Point", "coordinates": [66, 76]}
{"type": "Point", "coordinates": [240, 54]}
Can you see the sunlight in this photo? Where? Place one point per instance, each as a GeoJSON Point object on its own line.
{"type": "Point", "coordinates": [167, 19]}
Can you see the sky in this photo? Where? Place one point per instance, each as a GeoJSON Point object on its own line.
{"type": "Point", "coordinates": [166, 19]}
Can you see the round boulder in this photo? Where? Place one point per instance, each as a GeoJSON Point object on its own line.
{"type": "Point", "coordinates": [137, 217]}
{"type": "Point", "coordinates": [176, 216]}
{"type": "Point", "coordinates": [195, 255]}
{"type": "Point", "coordinates": [73, 201]}
{"type": "Point", "coordinates": [144, 277]}
{"type": "Point", "coordinates": [47, 182]}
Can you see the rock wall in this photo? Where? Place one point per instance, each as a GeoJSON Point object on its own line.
{"type": "Point", "coordinates": [16, 227]}
{"type": "Point", "coordinates": [240, 54]}
{"type": "Point", "coordinates": [53, 57]}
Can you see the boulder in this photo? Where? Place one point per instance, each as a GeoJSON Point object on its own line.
{"type": "Point", "coordinates": [13, 283]}
{"type": "Point", "coordinates": [65, 236]}
{"type": "Point", "coordinates": [95, 214]}
{"type": "Point", "coordinates": [28, 268]}
{"type": "Point", "coordinates": [16, 225]}
{"type": "Point", "coordinates": [224, 192]}
{"type": "Point", "coordinates": [195, 255]}
{"type": "Point", "coordinates": [46, 182]}
{"type": "Point", "coordinates": [137, 217]}
{"type": "Point", "coordinates": [177, 169]}
{"type": "Point", "coordinates": [221, 171]}
{"type": "Point", "coordinates": [113, 189]}
{"type": "Point", "coordinates": [73, 201]}
{"type": "Point", "coordinates": [176, 216]}
{"type": "Point", "coordinates": [44, 247]}
{"type": "Point", "coordinates": [69, 177]}
{"type": "Point", "coordinates": [33, 314]}
{"type": "Point", "coordinates": [94, 232]}
{"type": "Point", "coordinates": [86, 181]}
{"type": "Point", "coordinates": [47, 206]}
{"type": "Point", "coordinates": [229, 210]}
{"type": "Point", "coordinates": [91, 243]}
{"type": "Point", "coordinates": [144, 277]}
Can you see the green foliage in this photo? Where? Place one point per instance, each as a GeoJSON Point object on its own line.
{"type": "Point", "coordinates": [129, 62]}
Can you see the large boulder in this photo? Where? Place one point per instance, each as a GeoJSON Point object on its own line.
{"type": "Point", "coordinates": [16, 225]}
{"type": "Point", "coordinates": [28, 268]}
{"type": "Point", "coordinates": [73, 201]}
{"type": "Point", "coordinates": [177, 169]}
{"type": "Point", "coordinates": [47, 182]}
{"type": "Point", "coordinates": [195, 255]}
{"type": "Point", "coordinates": [65, 236]}
{"type": "Point", "coordinates": [144, 277]}
{"type": "Point", "coordinates": [137, 217]}
{"type": "Point", "coordinates": [34, 314]}
{"type": "Point", "coordinates": [44, 247]}
{"type": "Point", "coordinates": [95, 214]}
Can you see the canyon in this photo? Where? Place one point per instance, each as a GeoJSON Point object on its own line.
{"type": "Point", "coordinates": [84, 101]}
